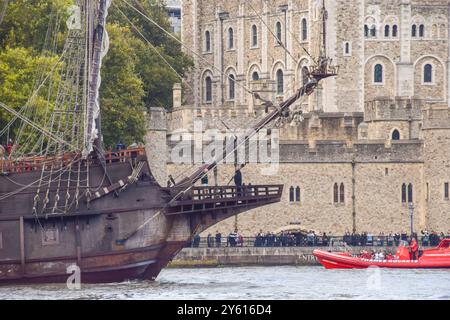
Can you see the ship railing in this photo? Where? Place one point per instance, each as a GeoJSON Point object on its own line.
{"type": "Point", "coordinates": [221, 192]}
{"type": "Point", "coordinates": [124, 155]}
{"type": "Point", "coordinates": [35, 163]}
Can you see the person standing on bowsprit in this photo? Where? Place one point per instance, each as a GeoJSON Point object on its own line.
{"type": "Point", "coordinates": [238, 181]}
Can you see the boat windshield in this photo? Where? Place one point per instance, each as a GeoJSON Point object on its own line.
{"type": "Point", "coordinates": [340, 246]}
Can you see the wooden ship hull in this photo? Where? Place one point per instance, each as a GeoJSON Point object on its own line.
{"type": "Point", "coordinates": [41, 249]}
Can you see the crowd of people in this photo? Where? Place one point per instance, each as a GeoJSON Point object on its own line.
{"type": "Point", "coordinates": [311, 239]}
{"type": "Point", "coordinates": [391, 239]}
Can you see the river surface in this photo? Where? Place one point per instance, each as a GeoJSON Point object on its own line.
{"type": "Point", "coordinates": [260, 283]}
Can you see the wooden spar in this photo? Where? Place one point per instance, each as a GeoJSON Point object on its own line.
{"type": "Point", "coordinates": [306, 90]}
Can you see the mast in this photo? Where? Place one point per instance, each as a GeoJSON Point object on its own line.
{"type": "Point", "coordinates": [100, 43]}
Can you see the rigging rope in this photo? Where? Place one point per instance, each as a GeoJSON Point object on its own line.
{"type": "Point", "coordinates": [151, 45]}
{"type": "Point", "coordinates": [184, 45]}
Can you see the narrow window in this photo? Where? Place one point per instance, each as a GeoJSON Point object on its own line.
{"type": "Point", "coordinates": [428, 73]}
{"type": "Point", "coordinates": [373, 32]}
{"type": "Point", "coordinates": [446, 193]}
{"type": "Point", "coordinates": [255, 76]}
{"type": "Point", "coordinates": [410, 193]}
{"type": "Point", "coordinates": [279, 34]}
{"type": "Point", "coordinates": [387, 31]}
{"type": "Point", "coordinates": [366, 31]}
{"type": "Point", "coordinates": [291, 194]}
{"type": "Point", "coordinates": [347, 48]}
{"type": "Point", "coordinates": [304, 30]}
{"type": "Point", "coordinates": [421, 31]}
{"type": "Point", "coordinates": [231, 87]}
{"type": "Point", "coordinates": [396, 135]}
{"type": "Point", "coordinates": [280, 82]}
{"type": "Point", "coordinates": [336, 193]}
{"type": "Point", "coordinates": [208, 89]}
{"type": "Point", "coordinates": [414, 31]}
{"type": "Point", "coordinates": [404, 193]}
{"type": "Point", "coordinates": [297, 194]}
{"type": "Point", "coordinates": [230, 38]}
{"type": "Point", "coordinates": [428, 192]}
{"type": "Point", "coordinates": [207, 41]}
{"type": "Point", "coordinates": [394, 31]}
{"type": "Point", "coordinates": [254, 36]}
{"type": "Point", "coordinates": [378, 73]}
{"type": "Point", "coordinates": [342, 193]}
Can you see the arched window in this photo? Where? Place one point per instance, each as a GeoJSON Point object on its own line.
{"type": "Point", "coordinates": [366, 31]}
{"type": "Point", "coordinates": [305, 75]}
{"type": "Point", "coordinates": [254, 36]}
{"type": "Point", "coordinates": [230, 38]}
{"type": "Point", "coordinates": [378, 74]}
{"type": "Point", "coordinates": [255, 76]}
{"type": "Point", "coordinates": [231, 86]}
{"type": "Point", "coordinates": [394, 31]}
{"type": "Point", "coordinates": [297, 194]}
{"type": "Point", "coordinates": [373, 31]}
{"type": "Point", "coordinates": [291, 194]}
{"type": "Point", "coordinates": [279, 32]}
{"type": "Point", "coordinates": [207, 41]}
{"type": "Point", "coordinates": [421, 31]}
{"type": "Point", "coordinates": [410, 193]}
{"type": "Point", "coordinates": [280, 82]}
{"type": "Point", "coordinates": [342, 193]}
{"type": "Point", "coordinates": [336, 193]}
{"type": "Point", "coordinates": [387, 31]}
{"type": "Point", "coordinates": [404, 193]}
{"type": "Point", "coordinates": [414, 31]}
{"type": "Point", "coordinates": [428, 73]}
{"type": "Point", "coordinates": [304, 30]}
{"type": "Point", "coordinates": [395, 135]}
{"type": "Point", "coordinates": [208, 89]}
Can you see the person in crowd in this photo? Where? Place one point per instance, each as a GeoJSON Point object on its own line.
{"type": "Point", "coordinates": [325, 239]}
{"type": "Point", "coordinates": [390, 239]}
{"type": "Point", "coordinates": [404, 236]}
{"type": "Point", "coordinates": [425, 238]}
{"type": "Point", "coordinates": [381, 239]}
{"type": "Point", "coordinates": [210, 241]}
{"type": "Point", "coordinates": [397, 239]}
{"type": "Point", "coordinates": [197, 240]}
{"type": "Point", "coordinates": [218, 239]}
{"type": "Point", "coordinates": [240, 240]}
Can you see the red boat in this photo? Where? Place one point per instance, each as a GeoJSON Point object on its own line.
{"type": "Point", "coordinates": [435, 258]}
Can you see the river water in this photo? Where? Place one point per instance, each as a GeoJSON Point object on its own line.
{"type": "Point", "coordinates": [260, 283]}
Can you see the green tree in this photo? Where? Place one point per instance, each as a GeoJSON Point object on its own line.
{"type": "Point", "coordinates": [122, 90]}
{"type": "Point", "coordinates": [20, 70]}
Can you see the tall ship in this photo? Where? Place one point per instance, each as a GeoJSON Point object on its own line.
{"type": "Point", "coordinates": [65, 201]}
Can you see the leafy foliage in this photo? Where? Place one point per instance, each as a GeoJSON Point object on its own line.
{"type": "Point", "coordinates": [134, 77]}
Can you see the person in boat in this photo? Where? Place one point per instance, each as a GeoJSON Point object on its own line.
{"type": "Point", "coordinates": [414, 249]}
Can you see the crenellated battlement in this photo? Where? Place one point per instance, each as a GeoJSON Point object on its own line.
{"type": "Point", "coordinates": [436, 116]}
{"type": "Point", "coordinates": [393, 109]}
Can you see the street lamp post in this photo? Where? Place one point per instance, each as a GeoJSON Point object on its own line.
{"type": "Point", "coordinates": [411, 216]}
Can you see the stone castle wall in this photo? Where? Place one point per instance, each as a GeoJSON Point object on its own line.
{"type": "Point", "coordinates": [347, 137]}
